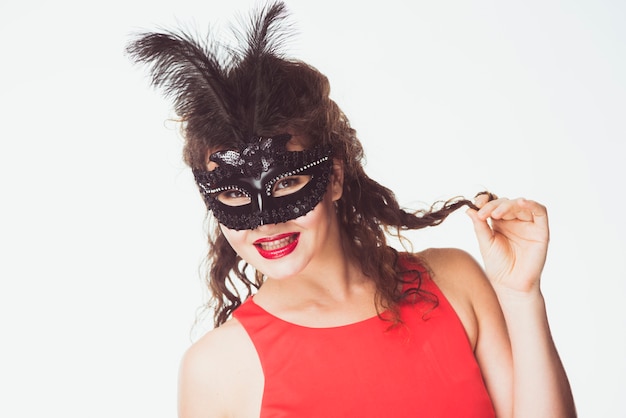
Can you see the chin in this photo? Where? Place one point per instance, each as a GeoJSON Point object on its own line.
{"type": "Point", "coordinates": [282, 268]}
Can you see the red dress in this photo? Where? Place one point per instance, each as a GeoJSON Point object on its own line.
{"type": "Point", "coordinates": [423, 368]}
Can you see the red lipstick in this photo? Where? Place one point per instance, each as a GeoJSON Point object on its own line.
{"type": "Point", "coordinates": [277, 246]}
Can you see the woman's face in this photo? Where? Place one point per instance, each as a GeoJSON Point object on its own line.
{"type": "Point", "coordinates": [285, 249]}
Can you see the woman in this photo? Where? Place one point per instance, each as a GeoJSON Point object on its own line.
{"type": "Point", "coordinates": [330, 321]}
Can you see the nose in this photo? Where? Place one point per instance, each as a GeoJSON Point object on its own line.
{"type": "Point", "coordinates": [259, 205]}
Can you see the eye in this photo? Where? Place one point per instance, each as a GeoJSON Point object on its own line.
{"type": "Point", "coordinates": [233, 197]}
{"type": "Point", "coordinates": [289, 185]}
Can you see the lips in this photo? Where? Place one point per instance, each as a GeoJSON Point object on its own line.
{"type": "Point", "coordinates": [277, 246]}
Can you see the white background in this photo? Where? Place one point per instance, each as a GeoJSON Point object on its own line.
{"type": "Point", "coordinates": [101, 228]}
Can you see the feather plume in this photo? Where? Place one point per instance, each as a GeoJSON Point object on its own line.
{"type": "Point", "coordinates": [217, 90]}
{"type": "Point", "coordinates": [188, 72]}
{"type": "Point", "coordinates": [265, 33]}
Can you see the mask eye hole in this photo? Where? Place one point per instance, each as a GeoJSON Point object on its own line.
{"type": "Point", "coordinates": [290, 184]}
{"type": "Point", "coordinates": [233, 197]}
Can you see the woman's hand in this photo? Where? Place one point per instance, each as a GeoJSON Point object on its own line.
{"type": "Point", "coordinates": [513, 239]}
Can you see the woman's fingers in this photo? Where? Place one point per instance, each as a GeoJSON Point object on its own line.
{"type": "Point", "coordinates": [508, 210]}
{"type": "Point", "coordinates": [519, 218]}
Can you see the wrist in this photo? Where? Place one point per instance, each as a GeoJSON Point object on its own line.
{"type": "Point", "coordinates": [520, 299]}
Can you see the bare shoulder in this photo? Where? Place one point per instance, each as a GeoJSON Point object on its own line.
{"type": "Point", "coordinates": [451, 260]}
{"type": "Point", "coordinates": [463, 282]}
{"type": "Point", "coordinates": [219, 371]}
{"type": "Point", "coordinates": [212, 352]}
{"type": "Point", "coordinates": [455, 271]}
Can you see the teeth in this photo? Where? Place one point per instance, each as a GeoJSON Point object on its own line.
{"type": "Point", "coordinates": [274, 245]}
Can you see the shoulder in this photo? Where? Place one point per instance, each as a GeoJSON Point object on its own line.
{"type": "Point", "coordinates": [211, 351]}
{"type": "Point", "coordinates": [212, 372]}
{"type": "Point", "coordinates": [450, 260]}
{"type": "Point", "coordinates": [463, 282]}
{"type": "Point", "coordinates": [455, 270]}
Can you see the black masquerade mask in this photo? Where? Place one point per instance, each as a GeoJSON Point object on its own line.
{"type": "Point", "coordinates": [263, 183]}
{"type": "Point", "coordinates": [228, 94]}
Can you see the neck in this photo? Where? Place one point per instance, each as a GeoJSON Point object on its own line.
{"type": "Point", "coordinates": [333, 291]}
{"type": "Point", "coordinates": [331, 278]}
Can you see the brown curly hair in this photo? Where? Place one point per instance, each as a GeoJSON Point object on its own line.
{"type": "Point", "coordinates": [223, 101]}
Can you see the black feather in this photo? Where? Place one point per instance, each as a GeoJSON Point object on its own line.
{"type": "Point", "coordinates": [217, 90]}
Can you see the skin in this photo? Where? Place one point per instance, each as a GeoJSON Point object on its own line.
{"type": "Point", "coordinates": [500, 307]}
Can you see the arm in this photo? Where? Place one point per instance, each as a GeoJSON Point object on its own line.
{"type": "Point", "coordinates": [513, 238]}
{"type": "Point", "coordinates": [220, 375]}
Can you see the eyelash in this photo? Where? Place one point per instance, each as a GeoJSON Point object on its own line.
{"type": "Point", "coordinates": [227, 189]}
{"type": "Point", "coordinates": [289, 180]}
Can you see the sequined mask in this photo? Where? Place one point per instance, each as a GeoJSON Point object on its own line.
{"type": "Point", "coordinates": [263, 183]}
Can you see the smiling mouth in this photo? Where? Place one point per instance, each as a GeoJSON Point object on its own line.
{"type": "Point", "coordinates": [277, 246]}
